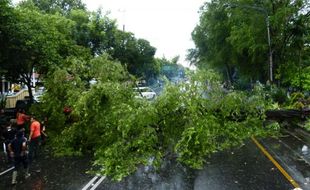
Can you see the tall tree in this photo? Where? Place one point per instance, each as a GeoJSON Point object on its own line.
{"type": "Point", "coordinates": [136, 54]}
{"type": "Point", "coordinates": [99, 33]}
{"type": "Point", "coordinates": [210, 37]}
{"type": "Point", "coordinates": [36, 42]}
{"type": "Point", "coordinates": [7, 18]}
{"type": "Point", "coordinates": [234, 35]}
{"type": "Point", "coordinates": [62, 6]}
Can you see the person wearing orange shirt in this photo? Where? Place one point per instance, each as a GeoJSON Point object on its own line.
{"type": "Point", "coordinates": [21, 119]}
{"type": "Point", "coordinates": [34, 138]}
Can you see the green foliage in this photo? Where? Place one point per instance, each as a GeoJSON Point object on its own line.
{"type": "Point", "coordinates": [2, 101]}
{"type": "Point", "coordinates": [307, 125]}
{"type": "Point", "coordinates": [7, 18]}
{"type": "Point", "coordinates": [106, 116]}
{"type": "Point", "coordinates": [36, 42]}
{"type": "Point", "coordinates": [295, 100]}
{"type": "Point", "coordinates": [191, 120]}
{"type": "Point", "coordinates": [99, 33]}
{"type": "Point", "coordinates": [57, 6]}
{"type": "Point", "coordinates": [123, 132]}
{"type": "Point", "coordinates": [279, 95]}
{"type": "Point", "coordinates": [302, 79]}
{"type": "Point", "coordinates": [232, 38]}
{"type": "Point", "coordinates": [44, 35]}
{"type": "Point", "coordinates": [112, 71]}
{"type": "Point", "coordinates": [213, 124]}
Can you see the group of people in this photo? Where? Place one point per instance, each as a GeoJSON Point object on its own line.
{"type": "Point", "coordinates": [20, 149]}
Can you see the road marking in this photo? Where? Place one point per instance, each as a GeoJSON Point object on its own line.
{"type": "Point", "coordinates": [295, 153]}
{"type": "Point", "coordinates": [98, 183]}
{"type": "Point", "coordinates": [91, 184]}
{"type": "Point", "coordinates": [286, 175]}
{"type": "Point", "coordinates": [290, 133]}
{"type": "Point", "coordinates": [6, 171]}
{"type": "Point", "coordinates": [4, 148]}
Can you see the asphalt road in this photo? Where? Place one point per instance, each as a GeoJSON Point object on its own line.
{"type": "Point", "coordinates": [242, 168]}
{"type": "Point", "coordinates": [245, 167]}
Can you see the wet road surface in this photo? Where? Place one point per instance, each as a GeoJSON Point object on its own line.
{"type": "Point", "coordinates": [288, 151]}
{"type": "Point", "coordinates": [245, 167]}
{"type": "Point", "coordinates": [49, 173]}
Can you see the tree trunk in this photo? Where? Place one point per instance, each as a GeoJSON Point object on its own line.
{"type": "Point", "coordinates": [28, 84]}
{"type": "Point", "coordinates": [229, 75]}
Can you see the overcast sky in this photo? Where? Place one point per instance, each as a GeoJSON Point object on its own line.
{"type": "Point", "coordinates": [166, 24]}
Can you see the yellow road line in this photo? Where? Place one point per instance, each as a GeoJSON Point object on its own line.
{"type": "Point", "coordinates": [288, 177]}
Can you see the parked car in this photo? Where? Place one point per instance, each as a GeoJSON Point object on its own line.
{"type": "Point", "coordinates": [38, 93]}
{"type": "Point", "coordinates": [145, 92]}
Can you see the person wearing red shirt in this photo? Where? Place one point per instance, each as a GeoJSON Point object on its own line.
{"type": "Point", "coordinates": [34, 138]}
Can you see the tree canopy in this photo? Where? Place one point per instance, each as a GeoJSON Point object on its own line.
{"type": "Point", "coordinates": [41, 35]}
{"type": "Point", "coordinates": [232, 37]}
{"type": "Point", "coordinates": [34, 41]}
{"type": "Point", "coordinates": [62, 6]}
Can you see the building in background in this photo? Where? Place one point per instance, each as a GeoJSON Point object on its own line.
{"type": "Point", "coordinates": [5, 86]}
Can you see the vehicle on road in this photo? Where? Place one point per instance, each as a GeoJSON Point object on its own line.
{"type": "Point", "coordinates": [38, 93]}
{"type": "Point", "coordinates": [24, 104]}
{"type": "Point", "coordinates": [144, 92]}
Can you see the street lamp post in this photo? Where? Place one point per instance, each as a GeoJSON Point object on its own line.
{"type": "Point", "coordinates": [270, 51]}
{"type": "Point", "coordinates": [265, 12]}
{"type": "Point", "coordinates": [122, 11]}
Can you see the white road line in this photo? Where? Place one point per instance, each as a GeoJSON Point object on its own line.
{"type": "Point", "coordinates": [287, 131]}
{"type": "Point", "coordinates": [98, 183]}
{"type": "Point", "coordinates": [296, 153]}
{"type": "Point", "coordinates": [4, 148]}
{"type": "Point", "coordinates": [6, 171]}
{"type": "Point", "coordinates": [90, 182]}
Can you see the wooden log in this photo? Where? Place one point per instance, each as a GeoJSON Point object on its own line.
{"type": "Point", "coordinates": [287, 114]}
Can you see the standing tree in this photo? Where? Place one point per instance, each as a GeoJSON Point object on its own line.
{"type": "Point", "coordinates": [233, 38]}
{"type": "Point", "coordinates": [62, 6]}
{"type": "Point", "coordinates": [35, 42]}
{"type": "Point", "coordinates": [7, 18]}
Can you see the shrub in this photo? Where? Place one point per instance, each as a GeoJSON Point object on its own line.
{"type": "Point", "coordinates": [279, 95]}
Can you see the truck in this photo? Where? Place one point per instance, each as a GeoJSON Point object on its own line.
{"type": "Point", "coordinates": [24, 104]}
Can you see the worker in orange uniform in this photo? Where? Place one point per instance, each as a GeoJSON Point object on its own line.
{"type": "Point", "coordinates": [34, 138]}
{"type": "Point", "coordinates": [21, 119]}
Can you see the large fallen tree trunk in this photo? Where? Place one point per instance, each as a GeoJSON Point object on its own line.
{"type": "Point", "coordinates": [287, 114]}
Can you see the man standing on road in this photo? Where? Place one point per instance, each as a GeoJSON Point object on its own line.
{"type": "Point", "coordinates": [9, 135]}
{"type": "Point", "coordinates": [17, 148]}
{"type": "Point", "coordinates": [34, 138]}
